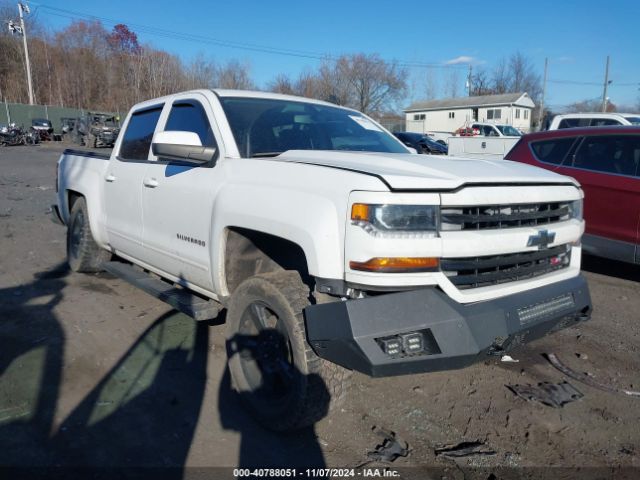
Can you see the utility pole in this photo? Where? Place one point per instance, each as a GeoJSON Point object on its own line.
{"type": "Point", "coordinates": [544, 93]}
{"type": "Point", "coordinates": [606, 85]}
{"type": "Point", "coordinates": [23, 8]}
{"type": "Point", "coordinates": [469, 82]}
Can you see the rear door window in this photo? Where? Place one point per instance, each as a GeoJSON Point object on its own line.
{"type": "Point", "coordinates": [137, 138]}
{"type": "Point", "coordinates": [552, 151]}
{"type": "Point", "coordinates": [617, 154]}
{"type": "Point", "coordinates": [600, 122]}
{"type": "Point", "coordinates": [574, 122]}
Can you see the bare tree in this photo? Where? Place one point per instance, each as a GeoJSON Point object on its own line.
{"type": "Point", "coordinates": [332, 82]}
{"type": "Point", "coordinates": [364, 82]}
{"type": "Point", "coordinates": [452, 84]}
{"type": "Point", "coordinates": [501, 77]}
{"type": "Point", "coordinates": [307, 85]}
{"type": "Point", "coordinates": [481, 83]}
{"type": "Point", "coordinates": [431, 84]}
{"type": "Point", "coordinates": [234, 75]}
{"type": "Point", "coordinates": [589, 105]}
{"type": "Point", "coordinates": [376, 84]}
{"type": "Point", "coordinates": [523, 76]}
{"type": "Point", "coordinates": [200, 73]}
{"type": "Point", "coordinates": [282, 84]}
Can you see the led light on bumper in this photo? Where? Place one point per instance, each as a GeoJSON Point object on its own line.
{"type": "Point", "coordinates": [534, 313]}
{"type": "Point", "coordinates": [409, 344]}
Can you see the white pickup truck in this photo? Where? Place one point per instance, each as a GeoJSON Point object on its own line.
{"type": "Point", "coordinates": [493, 142]}
{"type": "Point", "coordinates": [330, 245]}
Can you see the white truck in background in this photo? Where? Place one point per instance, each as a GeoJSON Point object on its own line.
{"type": "Point", "coordinates": [492, 142]}
{"type": "Point", "coordinates": [596, 119]}
{"type": "Point", "coordinates": [330, 245]}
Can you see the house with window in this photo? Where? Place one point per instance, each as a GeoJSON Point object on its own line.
{"type": "Point", "coordinates": [449, 114]}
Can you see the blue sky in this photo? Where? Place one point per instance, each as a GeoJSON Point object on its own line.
{"type": "Point", "coordinates": [576, 36]}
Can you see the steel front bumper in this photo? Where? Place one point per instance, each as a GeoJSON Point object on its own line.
{"type": "Point", "coordinates": [455, 335]}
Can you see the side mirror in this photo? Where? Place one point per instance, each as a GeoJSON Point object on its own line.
{"type": "Point", "coordinates": [182, 146]}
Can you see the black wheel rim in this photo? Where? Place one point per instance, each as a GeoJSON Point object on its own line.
{"type": "Point", "coordinates": [76, 234]}
{"type": "Point", "coordinates": [266, 357]}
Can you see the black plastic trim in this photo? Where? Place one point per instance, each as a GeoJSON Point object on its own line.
{"type": "Point", "coordinates": [613, 249]}
{"type": "Point", "coordinates": [84, 153]}
{"type": "Point", "coordinates": [345, 332]}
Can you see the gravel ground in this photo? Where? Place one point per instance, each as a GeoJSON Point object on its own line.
{"type": "Point", "coordinates": [96, 373]}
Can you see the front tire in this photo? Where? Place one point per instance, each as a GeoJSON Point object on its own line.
{"type": "Point", "coordinates": [83, 254]}
{"type": "Point", "coordinates": [279, 378]}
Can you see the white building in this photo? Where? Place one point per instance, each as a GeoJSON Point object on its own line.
{"type": "Point", "coordinates": [449, 114]}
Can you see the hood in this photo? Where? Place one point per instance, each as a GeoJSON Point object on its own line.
{"type": "Point", "coordinates": [427, 172]}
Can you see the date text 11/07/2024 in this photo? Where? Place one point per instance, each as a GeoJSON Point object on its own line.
{"type": "Point", "coordinates": [316, 472]}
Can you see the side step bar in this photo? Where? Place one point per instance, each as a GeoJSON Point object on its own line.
{"type": "Point", "coordinates": [182, 300]}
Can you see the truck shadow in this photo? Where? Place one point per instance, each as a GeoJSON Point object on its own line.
{"type": "Point", "coordinates": [143, 413]}
{"type": "Point", "coordinates": [31, 357]}
{"type": "Point", "coordinates": [259, 447]}
{"type": "Point", "coordinates": [145, 410]}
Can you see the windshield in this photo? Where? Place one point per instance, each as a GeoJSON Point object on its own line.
{"type": "Point", "coordinates": [508, 131]}
{"type": "Point", "coordinates": [267, 127]}
{"type": "Point", "coordinates": [104, 120]}
{"type": "Point", "coordinates": [633, 120]}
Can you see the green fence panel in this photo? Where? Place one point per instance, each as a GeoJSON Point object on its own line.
{"type": "Point", "coordinates": [22, 114]}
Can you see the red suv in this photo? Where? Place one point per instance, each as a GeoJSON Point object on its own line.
{"type": "Point", "coordinates": [606, 161]}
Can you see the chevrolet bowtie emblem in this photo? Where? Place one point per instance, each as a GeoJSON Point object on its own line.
{"type": "Point", "coordinates": [541, 240]}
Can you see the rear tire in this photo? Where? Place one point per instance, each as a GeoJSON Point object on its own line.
{"type": "Point", "coordinates": [83, 254]}
{"type": "Point", "coordinates": [279, 378]}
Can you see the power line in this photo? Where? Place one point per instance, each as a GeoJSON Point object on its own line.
{"type": "Point", "coordinates": [598, 84]}
{"type": "Point", "coordinates": [170, 34]}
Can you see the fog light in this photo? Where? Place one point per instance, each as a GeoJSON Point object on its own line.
{"type": "Point", "coordinates": [412, 342]}
{"type": "Point", "coordinates": [408, 344]}
{"type": "Point", "coordinates": [390, 346]}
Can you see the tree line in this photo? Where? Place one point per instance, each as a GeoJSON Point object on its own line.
{"type": "Point", "coordinates": [87, 66]}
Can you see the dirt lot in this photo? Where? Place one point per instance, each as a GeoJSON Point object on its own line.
{"type": "Point", "coordinates": [96, 373]}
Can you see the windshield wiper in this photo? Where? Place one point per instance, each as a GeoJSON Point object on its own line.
{"type": "Point", "coordinates": [266, 154]}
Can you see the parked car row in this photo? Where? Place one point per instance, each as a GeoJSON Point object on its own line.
{"type": "Point", "coordinates": [11, 135]}
{"type": "Point", "coordinates": [421, 143]}
{"type": "Point", "coordinates": [93, 129]}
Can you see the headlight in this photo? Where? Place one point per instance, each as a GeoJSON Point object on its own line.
{"type": "Point", "coordinates": [391, 220]}
{"type": "Point", "coordinates": [575, 209]}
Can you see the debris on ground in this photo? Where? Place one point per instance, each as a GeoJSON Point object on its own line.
{"type": "Point", "coordinates": [464, 449]}
{"type": "Point", "coordinates": [586, 378]}
{"type": "Point", "coordinates": [555, 395]}
{"type": "Point", "coordinates": [508, 359]}
{"type": "Point", "coordinates": [391, 447]}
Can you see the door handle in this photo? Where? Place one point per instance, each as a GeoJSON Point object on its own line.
{"type": "Point", "coordinates": [150, 182]}
{"type": "Point", "coordinates": [110, 178]}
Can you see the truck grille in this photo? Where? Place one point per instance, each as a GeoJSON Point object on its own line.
{"type": "Point", "coordinates": [485, 217]}
{"type": "Point", "coordinates": [473, 272]}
